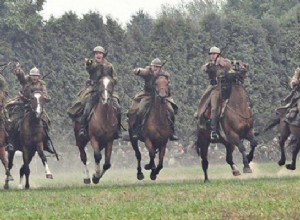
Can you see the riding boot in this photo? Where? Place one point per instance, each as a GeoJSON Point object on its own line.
{"type": "Point", "coordinates": [84, 121]}
{"type": "Point", "coordinates": [275, 120]}
{"type": "Point", "coordinates": [213, 125]}
{"type": "Point", "coordinates": [119, 125]}
{"type": "Point", "coordinates": [173, 137]}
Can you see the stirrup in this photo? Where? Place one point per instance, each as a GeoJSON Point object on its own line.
{"type": "Point", "coordinates": [214, 135]}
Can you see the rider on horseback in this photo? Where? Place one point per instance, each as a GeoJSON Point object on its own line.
{"type": "Point", "coordinates": [216, 68]}
{"type": "Point", "coordinates": [290, 104]}
{"type": "Point", "coordinates": [16, 105]}
{"type": "Point", "coordinates": [96, 68]}
{"type": "Point", "coordinates": [142, 99]}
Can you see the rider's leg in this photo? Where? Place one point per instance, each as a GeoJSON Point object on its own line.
{"type": "Point", "coordinates": [214, 114]}
{"type": "Point", "coordinates": [172, 113]}
{"type": "Point", "coordinates": [84, 119]}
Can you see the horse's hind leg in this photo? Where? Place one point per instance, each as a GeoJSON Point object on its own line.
{"type": "Point", "coordinates": [295, 152]}
{"type": "Point", "coordinates": [5, 164]}
{"type": "Point", "coordinates": [242, 149]}
{"type": "Point", "coordinates": [155, 172]}
{"type": "Point", "coordinates": [151, 165]}
{"type": "Point", "coordinates": [44, 161]}
{"type": "Point", "coordinates": [138, 156]}
{"type": "Point", "coordinates": [229, 160]}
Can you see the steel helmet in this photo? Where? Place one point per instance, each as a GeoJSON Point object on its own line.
{"type": "Point", "coordinates": [99, 49]}
{"type": "Point", "coordinates": [214, 50]}
{"type": "Point", "coordinates": [156, 62]}
{"type": "Point", "coordinates": [34, 72]}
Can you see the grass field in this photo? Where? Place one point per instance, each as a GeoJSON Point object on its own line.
{"type": "Point", "coordinates": [270, 192]}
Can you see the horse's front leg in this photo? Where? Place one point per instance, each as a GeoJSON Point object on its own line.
{"type": "Point", "coordinates": [242, 149]}
{"type": "Point", "coordinates": [229, 160]}
{"type": "Point", "coordinates": [25, 170]}
{"type": "Point", "coordinates": [138, 156]}
{"type": "Point", "coordinates": [97, 157]}
{"type": "Point", "coordinates": [107, 165]}
{"type": "Point", "coordinates": [296, 148]}
{"type": "Point", "coordinates": [151, 150]}
{"type": "Point", "coordinates": [40, 150]}
{"type": "Point", "coordinates": [5, 164]}
{"type": "Point", "coordinates": [253, 144]}
{"type": "Point", "coordinates": [154, 173]}
{"type": "Point", "coordinates": [284, 134]}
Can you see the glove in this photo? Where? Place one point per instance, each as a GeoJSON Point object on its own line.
{"type": "Point", "coordinates": [88, 62]}
{"type": "Point", "coordinates": [136, 71]}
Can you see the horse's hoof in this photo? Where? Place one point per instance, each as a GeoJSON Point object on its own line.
{"type": "Point", "coordinates": [87, 181]}
{"type": "Point", "coordinates": [49, 176]}
{"type": "Point", "coordinates": [153, 176]}
{"type": "Point", "coordinates": [206, 181]}
{"type": "Point", "coordinates": [140, 176]}
{"type": "Point", "coordinates": [281, 163]}
{"type": "Point", "coordinates": [236, 173]}
{"type": "Point", "coordinates": [95, 179]}
{"type": "Point", "coordinates": [148, 167]}
{"type": "Point", "coordinates": [6, 186]}
{"type": "Point", "coordinates": [247, 170]}
{"type": "Point", "coordinates": [290, 167]}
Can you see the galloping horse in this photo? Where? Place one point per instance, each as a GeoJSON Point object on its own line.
{"type": "Point", "coordinates": [102, 130]}
{"type": "Point", "coordinates": [235, 125]}
{"type": "Point", "coordinates": [156, 129]}
{"type": "Point", "coordinates": [32, 137]}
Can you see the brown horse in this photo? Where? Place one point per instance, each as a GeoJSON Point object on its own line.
{"type": "Point", "coordinates": [102, 130]}
{"type": "Point", "coordinates": [156, 130]}
{"type": "Point", "coordinates": [235, 125]}
{"type": "Point", "coordinates": [32, 137]}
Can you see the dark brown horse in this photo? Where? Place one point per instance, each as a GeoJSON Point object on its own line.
{"type": "Point", "coordinates": [287, 127]}
{"type": "Point", "coordinates": [32, 137]}
{"type": "Point", "coordinates": [102, 130]}
{"type": "Point", "coordinates": [156, 130]}
{"type": "Point", "coordinates": [235, 125]}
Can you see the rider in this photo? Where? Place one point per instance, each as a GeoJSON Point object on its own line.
{"type": "Point", "coordinates": [96, 68]}
{"type": "Point", "coordinates": [142, 99]}
{"type": "Point", "coordinates": [291, 103]}
{"type": "Point", "coordinates": [216, 68]}
{"type": "Point", "coordinates": [15, 106]}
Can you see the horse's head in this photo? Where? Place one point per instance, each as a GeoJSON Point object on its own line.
{"type": "Point", "coordinates": [106, 88]}
{"type": "Point", "coordinates": [161, 85]}
{"type": "Point", "coordinates": [37, 102]}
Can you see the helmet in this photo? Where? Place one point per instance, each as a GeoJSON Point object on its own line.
{"type": "Point", "coordinates": [34, 72]}
{"type": "Point", "coordinates": [99, 49]}
{"type": "Point", "coordinates": [214, 50]}
{"type": "Point", "coordinates": [156, 62]}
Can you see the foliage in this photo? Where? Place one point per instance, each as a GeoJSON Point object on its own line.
{"type": "Point", "coordinates": [262, 33]}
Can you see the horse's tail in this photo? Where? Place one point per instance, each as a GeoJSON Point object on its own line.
{"type": "Point", "coordinates": [271, 124]}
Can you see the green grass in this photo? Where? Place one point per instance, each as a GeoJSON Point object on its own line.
{"type": "Point", "coordinates": [178, 193]}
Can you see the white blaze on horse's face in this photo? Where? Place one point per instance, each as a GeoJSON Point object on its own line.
{"type": "Point", "coordinates": [38, 96]}
{"type": "Point", "coordinates": [106, 83]}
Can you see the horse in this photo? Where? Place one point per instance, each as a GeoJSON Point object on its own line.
{"type": "Point", "coordinates": [235, 125]}
{"type": "Point", "coordinates": [102, 130]}
{"type": "Point", "coordinates": [156, 130]}
{"type": "Point", "coordinates": [32, 137]}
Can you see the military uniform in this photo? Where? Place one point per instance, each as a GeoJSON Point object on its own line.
{"type": "Point", "coordinates": [15, 110]}
{"type": "Point", "coordinates": [215, 70]}
{"type": "Point", "coordinates": [3, 94]}
{"type": "Point", "coordinates": [141, 101]}
{"type": "Point", "coordinates": [295, 84]}
{"type": "Point", "coordinates": [81, 109]}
